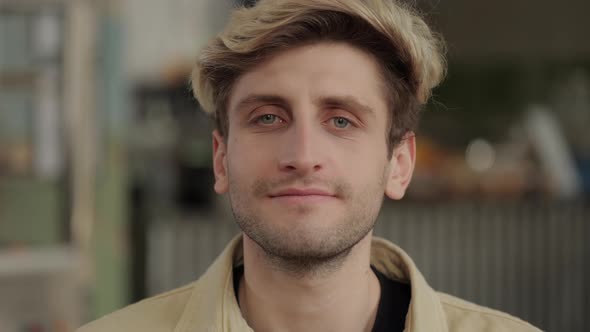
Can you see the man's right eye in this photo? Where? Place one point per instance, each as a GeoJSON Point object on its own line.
{"type": "Point", "coordinates": [267, 119]}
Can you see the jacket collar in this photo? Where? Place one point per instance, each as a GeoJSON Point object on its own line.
{"type": "Point", "coordinates": [425, 313]}
{"type": "Point", "coordinates": [212, 305]}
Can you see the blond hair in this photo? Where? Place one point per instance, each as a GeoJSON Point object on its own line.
{"type": "Point", "coordinates": [408, 52]}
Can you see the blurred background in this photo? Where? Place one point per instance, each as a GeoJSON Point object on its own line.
{"type": "Point", "coordinates": [105, 169]}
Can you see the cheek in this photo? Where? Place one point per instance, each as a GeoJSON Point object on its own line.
{"type": "Point", "coordinates": [247, 160]}
{"type": "Point", "coordinates": [368, 166]}
{"type": "Point", "coordinates": [365, 153]}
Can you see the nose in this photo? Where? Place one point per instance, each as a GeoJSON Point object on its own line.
{"type": "Point", "coordinates": [301, 151]}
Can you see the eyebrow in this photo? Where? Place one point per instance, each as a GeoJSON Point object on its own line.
{"type": "Point", "coordinates": [254, 99]}
{"type": "Point", "coordinates": [346, 102]}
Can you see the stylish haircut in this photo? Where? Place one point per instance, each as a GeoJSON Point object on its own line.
{"type": "Point", "coordinates": [409, 54]}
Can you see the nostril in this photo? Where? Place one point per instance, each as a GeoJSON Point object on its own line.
{"type": "Point", "coordinates": [301, 167]}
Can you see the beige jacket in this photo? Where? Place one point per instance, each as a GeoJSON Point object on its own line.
{"type": "Point", "coordinates": [209, 304]}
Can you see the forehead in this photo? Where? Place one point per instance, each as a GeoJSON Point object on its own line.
{"type": "Point", "coordinates": [315, 71]}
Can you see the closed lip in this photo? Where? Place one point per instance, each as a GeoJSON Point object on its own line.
{"type": "Point", "coordinates": [301, 192]}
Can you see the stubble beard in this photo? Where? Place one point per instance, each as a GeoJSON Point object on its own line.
{"type": "Point", "coordinates": [308, 252]}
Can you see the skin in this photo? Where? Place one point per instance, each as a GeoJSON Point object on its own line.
{"type": "Point", "coordinates": [311, 117]}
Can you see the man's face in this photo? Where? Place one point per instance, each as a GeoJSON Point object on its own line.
{"type": "Point", "coordinates": [305, 162]}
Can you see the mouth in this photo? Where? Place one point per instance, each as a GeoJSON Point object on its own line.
{"type": "Point", "coordinates": [302, 199]}
{"type": "Point", "coordinates": [302, 196]}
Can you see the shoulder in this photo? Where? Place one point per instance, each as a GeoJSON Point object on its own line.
{"type": "Point", "coordinates": [158, 314]}
{"type": "Point", "coordinates": [466, 316]}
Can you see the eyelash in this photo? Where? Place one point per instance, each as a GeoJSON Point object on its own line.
{"type": "Point", "coordinates": [257, 120]}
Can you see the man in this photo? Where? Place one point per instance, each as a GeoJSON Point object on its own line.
{"type": "Point", "coordinates": [315, 102]}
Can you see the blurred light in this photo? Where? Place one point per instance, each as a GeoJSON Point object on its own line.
{"type": "Point", "coordinates": [480, 155]}
{"type": "Point", "coordinates": [48, 35]}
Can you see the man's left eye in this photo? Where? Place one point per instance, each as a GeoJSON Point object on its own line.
{"type": "Point", "coordinates": [340, 122]}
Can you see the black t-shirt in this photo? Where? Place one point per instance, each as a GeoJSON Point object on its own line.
{"type": "Point", "coordinates": [393, 303]}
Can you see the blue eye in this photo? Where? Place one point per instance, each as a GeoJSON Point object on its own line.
{"type": "Point", "coordinates": [341, 122]}
{"type": "Point", "coordinates": [267, 119]}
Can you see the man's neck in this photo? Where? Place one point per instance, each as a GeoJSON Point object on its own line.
{"type": "Point", "coordinates": [345, 299]}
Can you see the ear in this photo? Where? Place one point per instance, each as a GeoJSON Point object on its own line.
{"type": "Point", "coordinates": [401, 167]}
{"type": "Point", "coordinates": [220, 163]}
